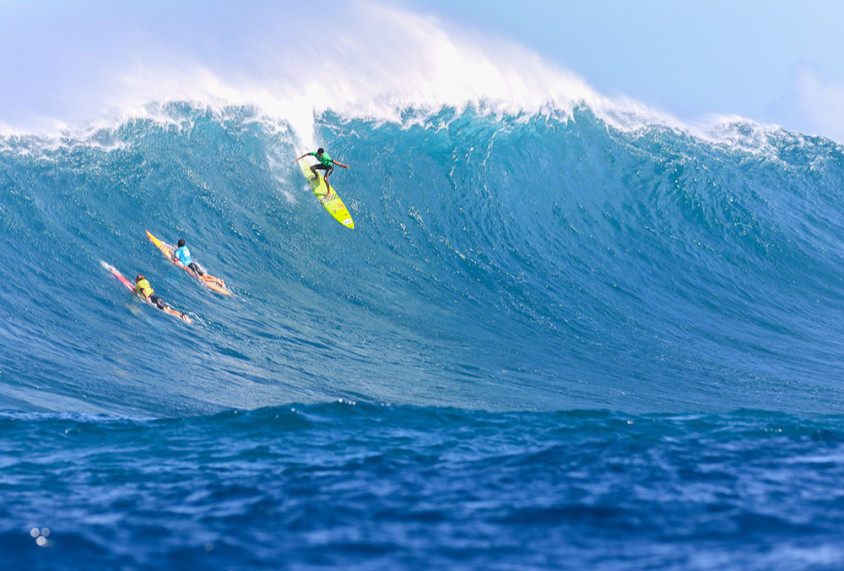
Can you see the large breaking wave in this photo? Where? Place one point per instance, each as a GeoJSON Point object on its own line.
{"type": "Point", "coordinates": [550, 260]}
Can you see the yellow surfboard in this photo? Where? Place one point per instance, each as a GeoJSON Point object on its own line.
{"type": "Point", "coordinates": [334, 204]}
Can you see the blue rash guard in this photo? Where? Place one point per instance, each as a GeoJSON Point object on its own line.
{"type": "Point", "coordinates": [183, 254]}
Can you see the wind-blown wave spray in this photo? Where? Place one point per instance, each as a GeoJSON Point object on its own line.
{"type": "Point", "coordinates": [382, 61]}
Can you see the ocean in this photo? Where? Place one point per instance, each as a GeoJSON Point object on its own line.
{"type": "Point", "coordinates": [550, 342]}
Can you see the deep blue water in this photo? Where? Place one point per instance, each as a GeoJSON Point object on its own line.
{"type": "Point", "coordinates": [546, 344]}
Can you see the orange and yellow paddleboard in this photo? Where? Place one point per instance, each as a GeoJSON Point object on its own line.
{"type": "Point", "coordinates": [209, 281]}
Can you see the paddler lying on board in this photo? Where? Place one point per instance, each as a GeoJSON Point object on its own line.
{"type": "Point", "coordinates": [182, 258]}
{"type": "Point", "coordinates": [145, 290]}
{"type": "Point", "coordinates": [326, 163]}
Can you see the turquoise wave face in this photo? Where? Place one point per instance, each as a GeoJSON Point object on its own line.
{"type": "Point", "coordinates": [496, 263]}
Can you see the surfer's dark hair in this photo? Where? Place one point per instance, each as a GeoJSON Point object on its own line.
{"type": "Point", "coordinates": [181, 242]}
{"type": "Point", "coordinates": [320, 151]}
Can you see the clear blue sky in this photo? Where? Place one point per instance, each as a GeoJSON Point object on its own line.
{"type": "Point", "coordinates": [771, 61]}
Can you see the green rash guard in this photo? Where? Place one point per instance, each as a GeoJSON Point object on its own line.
{"type": "Point", "coordinates": [324, 159]}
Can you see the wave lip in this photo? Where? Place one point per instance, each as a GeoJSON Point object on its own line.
{"type": "Point", "coordinates": [409, 61]}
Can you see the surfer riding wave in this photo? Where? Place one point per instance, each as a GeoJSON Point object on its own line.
{"type": "Point", "coordinates": [326, 163]}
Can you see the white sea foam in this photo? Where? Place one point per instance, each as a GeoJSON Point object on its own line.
{"type": "Point", "coordinates": [365, 59]}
